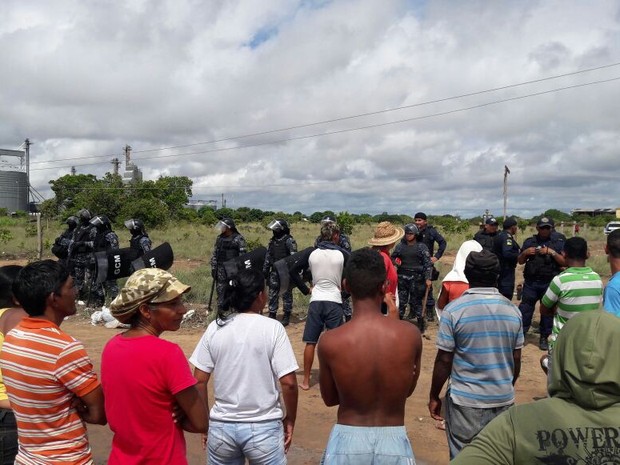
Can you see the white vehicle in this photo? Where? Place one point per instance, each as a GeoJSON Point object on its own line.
{"type": "Point", "coordinates": [612, 226]}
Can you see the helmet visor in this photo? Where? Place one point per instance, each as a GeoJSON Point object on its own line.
{"type": "Point", "coordinates": [275, 225]}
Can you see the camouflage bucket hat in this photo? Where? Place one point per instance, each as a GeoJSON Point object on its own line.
{"type": "Point", "coordinates": [148, 285]}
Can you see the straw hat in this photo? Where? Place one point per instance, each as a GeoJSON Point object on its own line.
{"type": "Point", "coordinates": [386, 234]}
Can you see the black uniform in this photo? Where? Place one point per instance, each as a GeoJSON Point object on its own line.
{"type": "Point", "coordinates": [429, 236]}
{"type": "Point", "coordinates": [507, 250]}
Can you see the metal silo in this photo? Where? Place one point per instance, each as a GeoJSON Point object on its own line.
{"type": "Point", "coordinates": [13, 180]}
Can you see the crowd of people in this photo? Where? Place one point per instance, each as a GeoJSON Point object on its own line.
{"type": "Point", "coordinates": [84, 237]}
{"type": "Point", "coordinates": [149, 397]}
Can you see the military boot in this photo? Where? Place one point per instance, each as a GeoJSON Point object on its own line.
{"type": "Point", "coordinates": [286, 319]}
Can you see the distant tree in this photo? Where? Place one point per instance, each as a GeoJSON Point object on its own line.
{"type": "Point", "coordinates": [67, 187]}
{"type": "Point", "coordinates": [207, 216]}
{"type": "Point", "coordinates": [557, 215]}
{"type": "Point", "coordinates": [153, 212]}
{"type": "Point", "coordinates": [175, 192]}
{"type": "Point", "coordinates": [345, 221]}
{"type": "Point", "coordinates": [225, 213]}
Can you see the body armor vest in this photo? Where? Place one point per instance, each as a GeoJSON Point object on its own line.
{"type": "Point", "coordinates": [278, 249]}
{"type": "Point", "coordinates": [410, 258]}
{"type": "Point", "coordinates": [227, 249]}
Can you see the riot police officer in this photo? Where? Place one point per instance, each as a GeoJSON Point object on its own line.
{"type": "Point", "coordinates": [229, 244]}
{"type": "Point", "coordinates": [281, 245]}
{"type": "Point", "coordinates": [62, 242]}
{"type": "Point", "coordinates": [542, 255]}
{"type": "Point", "coordinates": [80, 250]}
{"type": "Point", "coordinates": [429, 236]}
{"type": "Point", "coordinates": [414, 267]}
{"type": "Point", "coordinates": [140, 240]}
{"type": "Point", "coordinates": [507, 250]}
{"type": "Point", "coordinates": [105, 240]}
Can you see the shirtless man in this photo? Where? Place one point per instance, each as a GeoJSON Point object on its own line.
{"type": "Point", "coordinates": [369, 381]}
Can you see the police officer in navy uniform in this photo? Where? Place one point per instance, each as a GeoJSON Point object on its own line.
{"type": "Point", "coordinates": [281, 245]}
{"type": "Point", "coordinates": [486, 237]}
{"type": "Point", "coordinates": [429, 236]}
{"type": "Point", "coordinates": [414, 267]}
{"type": "Point", "coordinates": [343, 243]}
{"type": "Point", "coordinates": [507, 250]}
{"type": "Point", "coordinates": [62, 242]}
{"type": "Point", "coordinates": [228, 245]}
{"type": "Point", "coordinates": [81, 250]}
{"type": "Point", "coordinates": [140, 240]}
{"type": "Point", "coordinates": [542, 255]}
{"type": "Point", "coordinates": [106, 240]}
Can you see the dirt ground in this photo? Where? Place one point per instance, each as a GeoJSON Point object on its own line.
{"type": "Point", "coordinates": [314, 419]}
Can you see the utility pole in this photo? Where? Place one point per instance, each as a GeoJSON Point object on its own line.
{"type": "Point", "coordinates": [506, 173]}
{"type": "Point", "coordinates": [73, 171]}
{"type": "Point", "coordinates": [223, 201]}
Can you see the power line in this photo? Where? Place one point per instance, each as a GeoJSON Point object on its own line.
{"type": "Point", "coordinates": [345, 118]}
{"type": "Point", "coordinates": [361, 128]}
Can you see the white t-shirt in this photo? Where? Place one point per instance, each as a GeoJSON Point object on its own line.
{"type": "Point", "coordinates": [247, 357]}
{"type": "Point", "coordinates": [326, 267]}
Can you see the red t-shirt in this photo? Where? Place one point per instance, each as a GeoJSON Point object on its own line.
{"type": "Point", "coordinates": [140, 377]}
{"type": "Point", "coordinates": [392, 276]}
{"type": "Point", "coordinates": [454, 289]}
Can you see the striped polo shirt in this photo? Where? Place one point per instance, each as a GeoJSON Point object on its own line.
{"type": "Point", "coordinates": [483, 329]}
{"type": "Point", "coordinates": [575, 290]}
{"type": "Point", "coordinates": [44, 369]}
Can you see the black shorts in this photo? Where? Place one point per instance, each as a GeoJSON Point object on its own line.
{"type": "Point", "coordinates": [321, 314]}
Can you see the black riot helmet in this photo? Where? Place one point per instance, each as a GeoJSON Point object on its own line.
{"type": "Point", "coordinates": [101, 222]}
{"type": "Point", "coordinates": [84, 216]}
{"type": "Point", "coordinates": [72, 222]}
{"type": "Point", "coordinates": [279, 227]}
{"type": "Point", "coordinates": [135, 226]}
{"type": "Point", "coordinates": [226, 223]}
{"type": "Point", "coordinates": [411, 228]}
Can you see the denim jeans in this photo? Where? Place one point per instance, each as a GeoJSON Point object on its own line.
{"type": "Point", "coordinates": [464, 423]}
{"type": "Point", "coordinates": [230, 443]}
{"type": "Point", "coordinates": [8, 437]}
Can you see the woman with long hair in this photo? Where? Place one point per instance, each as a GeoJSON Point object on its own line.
{"type": "Point", "coordinates": [253, 364]}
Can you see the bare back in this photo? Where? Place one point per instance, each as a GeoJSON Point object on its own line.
{"type": "Point", "coordinates": [369, 366]}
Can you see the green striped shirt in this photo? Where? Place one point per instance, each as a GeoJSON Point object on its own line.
{"type": "Point", "coordinates": [575, 290]}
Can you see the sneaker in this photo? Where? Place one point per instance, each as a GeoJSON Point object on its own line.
{"type": "Point", "coordinates": [543, 344]}
{"type": "Point", "coordinates": [286, 319]}
{"type": "Point", "coordinates": [544, 363]}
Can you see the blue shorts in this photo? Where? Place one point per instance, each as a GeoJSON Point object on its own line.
{"type": "Point", "coordinates": [321, 313]}
{"type": "Point", "coordinates": [366, 445]}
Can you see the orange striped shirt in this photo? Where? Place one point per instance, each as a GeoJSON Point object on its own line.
{"type": "Point", "coordinates": [44, 369]}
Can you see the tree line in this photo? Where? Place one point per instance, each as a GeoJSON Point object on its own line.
{"type": "Point", "coordinates": [165, 200]}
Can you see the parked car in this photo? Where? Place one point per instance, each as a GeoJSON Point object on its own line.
{"type": "Point", "coordinates": [612, 226]}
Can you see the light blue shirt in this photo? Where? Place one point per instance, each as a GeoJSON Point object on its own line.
{"type": "Point", "coordinates": [611, 297]}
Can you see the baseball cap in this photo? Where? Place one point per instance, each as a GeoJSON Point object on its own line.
{"type": "Point", "coordinates": [509, 223]}
{"type": "Point", "coordinates": [491, 221]}
{"type": "Point", "coordinates": [147, 285]}
{"type": "Point", "coordinates": [420, 215]}
{"type": "Point", "coordinates": [545, 221]}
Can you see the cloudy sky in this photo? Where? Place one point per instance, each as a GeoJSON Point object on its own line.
{"type": "Point", "coordinates": [359, 106]}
